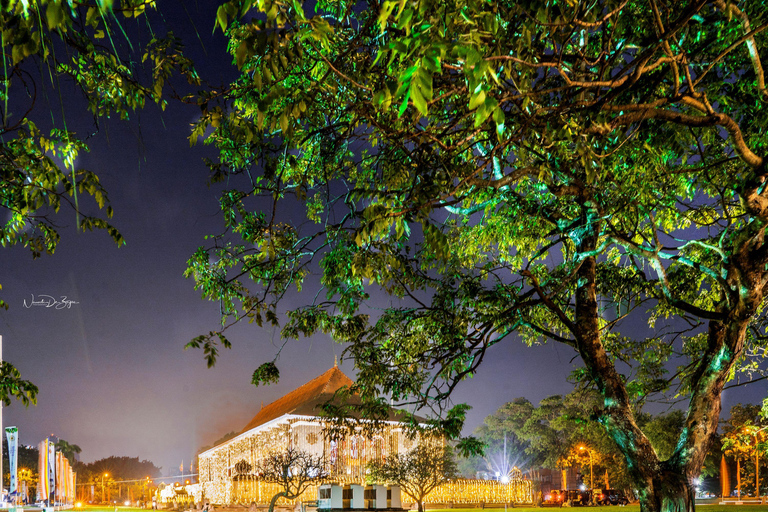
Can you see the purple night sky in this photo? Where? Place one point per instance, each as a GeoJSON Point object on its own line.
{"type": "Point", "coordinates": [113, 376]}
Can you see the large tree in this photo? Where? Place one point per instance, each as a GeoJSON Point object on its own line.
{"type": "Point", "coordinates": [533, 168]}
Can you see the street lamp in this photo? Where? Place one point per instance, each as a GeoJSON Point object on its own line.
{"type": "Point", "coordinates": [102, 486]}
{"type": "Point", "coordinates": [591, 479]}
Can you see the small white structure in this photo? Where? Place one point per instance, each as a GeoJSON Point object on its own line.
{"type": "Point", "coordinates": [393, 497]}
{"type": "Point", "coordinates": [329, 496]}
{"type": "Point", "coordinates": [354, 496]}
{"type": "Point", "coordinates": [376, 497]}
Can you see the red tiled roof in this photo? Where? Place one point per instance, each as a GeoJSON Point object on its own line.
{"type": "Point", "coordinates": [303, 400]}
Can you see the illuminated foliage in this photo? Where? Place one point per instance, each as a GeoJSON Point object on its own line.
{"type": "Point", "coordinates": [745, 436]}
{"type": "Point", "coordinates": [13, 386]}
{"type": "Point", "coordinates": [417, 472]}
{"type": "Point", "coordinates": [508, 170]}
{"type": "Point", "coordinates": [46, 43]}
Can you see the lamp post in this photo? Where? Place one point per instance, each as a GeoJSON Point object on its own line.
{"type": "Point", "coordinates": [591, 478]}
{"type": "Point", "coordinates": [23, 477]}
{"type": "Point", "coordinates": [102, 486]}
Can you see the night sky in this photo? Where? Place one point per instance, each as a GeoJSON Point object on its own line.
{"type": "Point", "coordinates": [113, 376]}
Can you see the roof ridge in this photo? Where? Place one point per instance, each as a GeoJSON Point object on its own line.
{"type": "Point", "coordinates": [333, 371]}
{"type": "Point", "coordinates": [326, 383]}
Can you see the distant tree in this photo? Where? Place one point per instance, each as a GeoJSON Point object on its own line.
{"type": "Point", "coordinates": [550, 435]}
{"type": "Point", "coordinates": [503, 447]}
{"type": "Point", "coordinates": [745, 437]}
{"type": "Point", "coordinates": [123, 468]}
{"type": "Point", "coordinates": [294, 471]}
{"type": "Point", "coordinates": [69, 450]}
{"type": "Point", "coordinates": [417, 472]}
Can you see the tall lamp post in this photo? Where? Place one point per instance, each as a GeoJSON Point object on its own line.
{"type": "Point", "coordinates": [591, 477]}
{"type": "Point", "coordinates": [102, 486]}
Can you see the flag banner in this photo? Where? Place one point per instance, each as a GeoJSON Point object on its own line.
{"type": "Point", "coordinates": [12, 434]}
{"type": "Point", "coordinates": [72, 485]}
{"type": "Point", "coordinates": [60, 483]}
{"type": "Point", "coordinates": [51, 469]}
{"type": "Point", "coordinates": [43, 483]}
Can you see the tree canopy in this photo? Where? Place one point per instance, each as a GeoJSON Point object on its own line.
{"type": "Point", "coordinates": [561, 432]}
{"type": "Point", "coordinates": [119, 468]}
{"type": "Point", "coordinates": [500, 171]}
{"type": "Point", "coordinates": [45, 44]}
{"type": "Point", "coordinates": [504, 170]}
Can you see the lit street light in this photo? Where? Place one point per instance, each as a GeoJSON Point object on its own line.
{"type": "Point", "coordinates": [591, 479]}
{"type": "Point", "coordinates": [102, 486]}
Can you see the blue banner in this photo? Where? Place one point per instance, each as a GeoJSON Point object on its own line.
{"type": "Point", "coordinates": [12, 434]}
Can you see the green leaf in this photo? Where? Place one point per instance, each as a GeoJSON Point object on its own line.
{"type": "Point", "coordinates": [404, 104]}
{"type": "Point", "coordinates": [386, 10]}
{"type": "Point", "coordinates": [241, 54]}
{"type": "Point", "coordinates": [221, 18]}
{"type": "Point", "coordinates": [54, 15]}
{"type": "Point", "coordinates": [477, 99]}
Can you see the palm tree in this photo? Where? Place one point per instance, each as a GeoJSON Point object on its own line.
{"type": "Point", "coordinates": [69, 450]}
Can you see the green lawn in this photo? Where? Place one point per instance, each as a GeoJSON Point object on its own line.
{"type": "Point", "coordinates": [711, 506]}
{"type": "Point", "coordinates": [707, 506]}
{"type": "Point", "coordinates": [104, 508]}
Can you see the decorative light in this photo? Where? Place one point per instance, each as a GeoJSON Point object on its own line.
{"type": "Point", "coordinates": [217, 467]}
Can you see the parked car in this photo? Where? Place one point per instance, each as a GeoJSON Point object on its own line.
{"type": "Point", "coordinates": [554, 498]}
{"type": "Point", "coordinates": [610, 497]}
{"type": "Point", "coordinates": [577, 498]}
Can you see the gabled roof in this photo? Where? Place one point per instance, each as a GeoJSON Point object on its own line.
{"type": "Point", "coordinates": [304, 400]}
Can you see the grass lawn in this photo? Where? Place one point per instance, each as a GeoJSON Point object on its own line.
{"type": "Point", "coordinates": [705, 505]}
{"type": "Point", "coordinates": [708, 506]}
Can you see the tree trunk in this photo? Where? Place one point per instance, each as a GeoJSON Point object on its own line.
{"type": "Point", "coordinates": [420, 503]}
{"type": "Point", "coordinates": [670, 490]}
{"type": "Point", "coordinates": [274, 500]}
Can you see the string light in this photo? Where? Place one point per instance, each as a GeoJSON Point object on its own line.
{"type": "Point", "coordinates": [348, 457]}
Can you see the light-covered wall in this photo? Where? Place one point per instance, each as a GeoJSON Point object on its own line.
{"type": "Point", "coordinates": [347, 456]}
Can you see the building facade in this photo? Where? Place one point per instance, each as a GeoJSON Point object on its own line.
{"type": "Point", "coordinates": [227, 472]}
